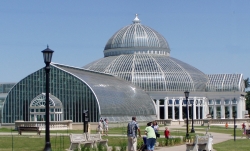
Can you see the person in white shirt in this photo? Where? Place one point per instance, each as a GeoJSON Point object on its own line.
{"type": "Point", "coordinates": [105, 126]}
{"type": "Point", "coordinates": [100, 126]}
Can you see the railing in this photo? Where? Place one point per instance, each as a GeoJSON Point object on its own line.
{"type": "Point", "coordinates": [164, 122]}
{"type": "Point", "coordinates": [205, 121]}
{"type": "Point", "coordinates": [229, 121]}
{"type": "Point", "coordinates": [217, 121]}
{"type": "Point", "coordinates": [54, 125]}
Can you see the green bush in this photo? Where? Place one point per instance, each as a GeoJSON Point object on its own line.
{"type": "Point", "coordinates": [123, 145]}
{"type": "Point", "coordinates": [167, 142]}
{"type": "Point", "coordinates": [98, 148]}
{"type": "Point", "coordinates": [170, 141]}
{"type": "Point", "coordinates": [101, 147]}
{"type": "Point", "coordinates": [139, 143]}
{"type": "Point", "coordinates": [178, 140]}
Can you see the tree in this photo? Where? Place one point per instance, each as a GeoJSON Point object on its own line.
{"type": "Point", "coordinates": [247, 85]}
{"type": "Point", "coordinates": [248, 100]}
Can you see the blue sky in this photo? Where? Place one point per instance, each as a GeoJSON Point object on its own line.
{"type": "Point", "coordinates": [212, 35]}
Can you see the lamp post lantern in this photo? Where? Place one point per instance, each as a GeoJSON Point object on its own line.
{"type": "Point", "coordinates": [192, 102]}
{"type": "Point", "coordinates": [187, 95]}
{"type": "Point", "coordinates": [47, 56]}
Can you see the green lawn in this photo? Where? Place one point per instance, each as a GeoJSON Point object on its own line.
{"type": "Point", "coordinates": [61, 142]}
{"type": "Point", "coordinates": [216, 129]}
{"type": "Point", "coordinates": [32, 143]}
{"type": "Point", "coordinates": [231, 145]}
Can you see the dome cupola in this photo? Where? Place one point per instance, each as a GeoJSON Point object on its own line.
{"type": "Point", "coordinates": [136, 38]}
{"type": "Point", "coordinates": [140, 55]}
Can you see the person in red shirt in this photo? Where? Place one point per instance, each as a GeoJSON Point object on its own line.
{"type": "Point", "coordinates": [166, 133]}
{"type": "Point", "coordinates": [243, 129]}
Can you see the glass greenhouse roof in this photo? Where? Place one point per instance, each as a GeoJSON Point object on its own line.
{"type": "Point", "coordinates": [152, 72]}
{"type": "Point", "coordinates": [136, 38]}
{"type": "Point", "coordinates": [114, 95]}
{"type": "Point", "coordinates": [225, 82]}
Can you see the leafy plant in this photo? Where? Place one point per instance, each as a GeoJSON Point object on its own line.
{"type": "Point", "coordinates": [113, 148]}
{"type": "Point", "coordinates": [178, 140]}
{"type": "Point", "coordinates": [167, 142]}
{"type": "Point", "coordinates": [101, 148]}
{"type": "Point", "coordinates": [84, 148]}
{"type": "Point", "coordinates": [139, 143]}
{"type": "Point", "coordinates": [123, 145]}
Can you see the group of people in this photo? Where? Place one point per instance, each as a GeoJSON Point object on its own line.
{"type": "Point", "coordinates": [103, 126]}
{"type": "Point", "coordinates": [151, 132]}
{"type": "Point", "coordinates": [243, 127]}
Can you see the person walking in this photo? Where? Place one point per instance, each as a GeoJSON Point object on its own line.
{"type": "Point", "coordinates": [151, 137]}
{"type": "Point", "coordinates": [100, 127]}
{"type": "Point", "coordinates": [156, 129]}
{"type": "Point", "coordinates": [226, 125]}
{"type": "Point", "coordinates": [105, 126]}
{"type": "Point", "coordinates": [132, 130]}
{"type": "Point", "coordinates": [243, 126]}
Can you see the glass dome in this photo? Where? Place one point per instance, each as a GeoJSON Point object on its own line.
{"type": "Point", "coordinates": [136, 38]}
{"type": "Point", "coordinates": [152, 72]}
{"type": "Point", "coordinates": [140, 55]}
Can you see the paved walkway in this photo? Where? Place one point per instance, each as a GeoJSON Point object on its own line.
{"type": "Point", "coordinates": [217, 138]}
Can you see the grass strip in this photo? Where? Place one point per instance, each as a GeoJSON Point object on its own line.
{"type": "Point", "coordinates": [231, 145]}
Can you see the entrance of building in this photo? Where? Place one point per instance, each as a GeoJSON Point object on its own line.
{"type": "Point", "coordinates": [37, 108]}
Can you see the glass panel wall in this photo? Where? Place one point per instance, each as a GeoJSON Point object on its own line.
{"type": "Point", "coordinates": [227, 114]}
{"type": "Point", "coordinates": [218, 102]}
{"type": "Point", "coordinates": [210, 102]}
{"type": "Point", "coordinates": [218, 112]}
{"type": "Point", "coordinates": [73, 93]}
{"type": "Point", "coordinates": [211, 111]}
{"type": "Point", "coordinates": [235, 111]}
{"type": "Point", "coordinates": [176, 110]}
{"type": "Point", "coordinates": [169, 112]}
{"type": "Point", "coordinates": [227, 102]}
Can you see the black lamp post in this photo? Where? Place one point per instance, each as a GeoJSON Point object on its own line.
{"type": "Point", "coordinates": [47, 56]}
{"type": "Point", "coordinates": [235, 126]}
{"type": "Point", "coordinates": [192, 102]}
{"type": "Point", "coordinates": [85, 121]}
{"type": "Point", "coordinates": [187, 95]}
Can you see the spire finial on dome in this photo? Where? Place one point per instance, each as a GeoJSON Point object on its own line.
{"type": "Point", "coordinates": [136, 20]}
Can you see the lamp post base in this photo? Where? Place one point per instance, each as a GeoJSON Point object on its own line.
{"type": "Point", "coordinates": [192, 131]}
{"type": "Point", "coordinates": [47, 147]}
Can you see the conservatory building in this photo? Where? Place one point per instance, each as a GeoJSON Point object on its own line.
{"type": "Point", "coordinates": [140, 55]}
{"type": "Point", "coordinates": [136, 77]}
{"type": "Point", "coordinates": [73, 90]}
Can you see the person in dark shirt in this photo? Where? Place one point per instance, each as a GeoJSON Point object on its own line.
{"type": "Point", "coordinates": [132, 129]}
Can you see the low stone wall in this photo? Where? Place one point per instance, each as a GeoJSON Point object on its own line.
{"type": "Point", "coordinates": [94, 125]}
{"type": "Point", "coordinates": [54, 125]}
{"type": "Point", "coordinates": [68, 124]}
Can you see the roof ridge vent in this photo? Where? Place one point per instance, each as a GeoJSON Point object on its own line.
{"type": "Point", "coordinates": [136, 20]}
